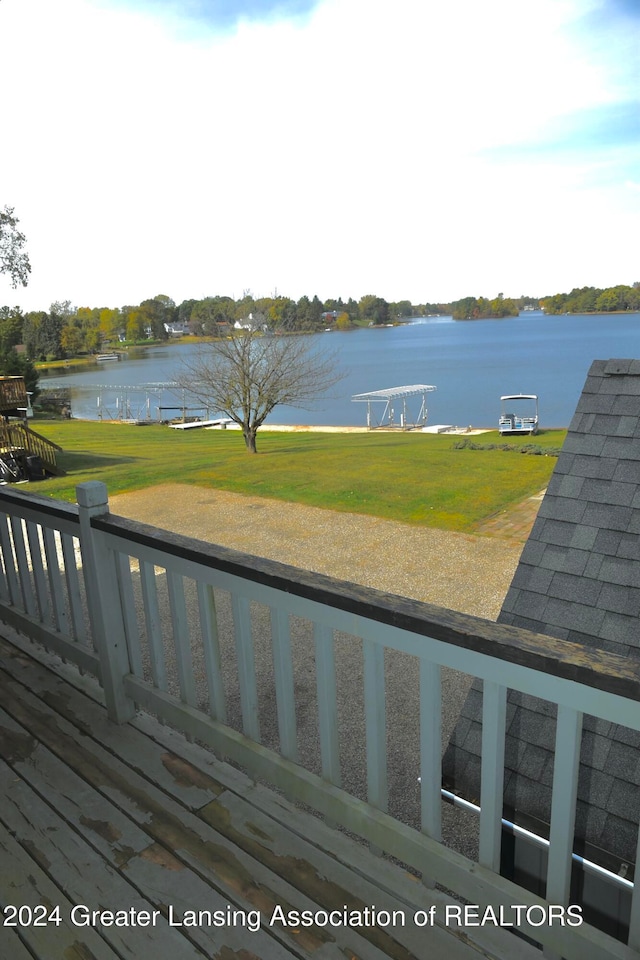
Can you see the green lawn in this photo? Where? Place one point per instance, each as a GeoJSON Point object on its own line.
{"type": "Point", "coordinates": [415, 478]}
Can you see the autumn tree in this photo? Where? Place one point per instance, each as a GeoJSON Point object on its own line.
{"type": "Point", "coordinates": [208, 315]}
{"type": "Point", "coordinates": [373, 310]}
{"type": "Point", "coordinates": [72, 339]}
{"type": "Point", "coordinates": [283, 314]}
{"type": "Point", "coordinates": [248, 374]}
{"type": "Point", "coordinates": [480, 308]}
{"type": "Point", "coordinates": [401, 309]}
{"type": "Point", "coordinates": [594, 300]}
{"type": "Point", "coordinates": [81, 332]}
{"type": "Point", "coordinates": [13, 260]}
{"type": "Point", "coordinates": [156, 312]}
{"type": "Point", "coordinates": [71, 335]}
{"type": "Point", "coordinates": [135, 329]}
{"type": "Point", "coordinates": [110, 323]}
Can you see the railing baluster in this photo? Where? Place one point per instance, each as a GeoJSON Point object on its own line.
{"type": "Point", "coordinates": [26, 589]}
{"type": "Point", "coordinates": [181, 638]}
{"type": "Point", "coordinates": [494, 710]}
{"type": "Point", "coordinates": [60, 619]}
{"type": "Point", "coordinates": [375, 718]}
{"type": "Point", "coordinates": [13, 588]}
{"type": "Point", "coordinates": [283, 674]}
{"type": "Point", "coordinates": [246, 667]}
{"type": "Point", "coordinates": [327, 703]}
{"type": "Point", "coordinates": [211, 652]}
{"type": "Point", "coordinates": [153, 625]}
{"type": "Point", "coordinates": [4, 586]}
{"type": "Point", "coordinates": [563, 803]}
{"type": "Point", "coordinates": [78, 628]}
{"type": "Point", "coordinates": [130, 620]}
{"type": "Point", "coordinates": [37, 566]}
{"type": "Point", "coordinates": [431, 748]}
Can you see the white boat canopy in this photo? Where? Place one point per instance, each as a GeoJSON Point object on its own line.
{"type": "Point", "coordinates": [391, 397]}
{"type": "Point", "coordinates": [520, 396]}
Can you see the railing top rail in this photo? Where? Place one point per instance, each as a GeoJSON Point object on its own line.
{"type": "Point", "coordinates": [560, 658]}
{"type": "Point", "coordinates": [13, 500]}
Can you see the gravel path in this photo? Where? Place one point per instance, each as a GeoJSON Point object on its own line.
{"type": "Point", "coordinates": [467, 573]}
{"type": "Point", "coordinates": [470, 574]}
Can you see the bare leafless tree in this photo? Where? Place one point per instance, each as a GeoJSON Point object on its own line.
{"type": "Point", "coordinates": [249, 373]}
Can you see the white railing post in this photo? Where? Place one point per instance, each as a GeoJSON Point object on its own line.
{"type": "Point", "coordinates": [566, 766]}
{"type": "Point", "coordinates": [103, 601]}
{"type": "Point", "coordinates": [494, 712]}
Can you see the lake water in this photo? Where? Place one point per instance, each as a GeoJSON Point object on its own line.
{"type": "Point", "coordinates": [471, 363]}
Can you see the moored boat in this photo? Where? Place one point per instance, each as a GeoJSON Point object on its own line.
{"type": "Point", "coordinates": [514, 423]}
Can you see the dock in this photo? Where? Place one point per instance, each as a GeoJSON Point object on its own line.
{"type": "Point", "coordinates": [221, 423]}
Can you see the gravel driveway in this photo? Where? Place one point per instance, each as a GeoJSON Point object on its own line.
{"type": "Point", "coordinates": [467, 573]}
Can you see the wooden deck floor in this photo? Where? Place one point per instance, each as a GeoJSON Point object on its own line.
{"type": "Point", "coordinates": [137, 823]}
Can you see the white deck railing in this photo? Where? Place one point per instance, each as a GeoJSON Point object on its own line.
{"type": "Point", "coordinates": [220, 644]}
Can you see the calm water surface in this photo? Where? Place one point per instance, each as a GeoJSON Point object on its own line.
{"type": "Point", "coordinates": [472, 363]}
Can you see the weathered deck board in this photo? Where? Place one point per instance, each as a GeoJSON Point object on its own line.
{"type": "Point", "coordinates": [160, 821]}
{"type": "Point", "coordinates": [22, 882]}
{"type": "Point", "coordinates": [75, 868]}
{"type": "Point", "coordinates": [390, 881]}
{"type": "Point", "coordinates": [12, 946]}
{"type": "Point", "coordinates": [236, 876]}
{"type": "Point", "coordinates": [229, 876]}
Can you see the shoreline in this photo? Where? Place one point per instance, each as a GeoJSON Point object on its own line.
{"type": "Point", "coordinates": [436, 430]}
{"type": "Point", "coordinates": [440, 430]}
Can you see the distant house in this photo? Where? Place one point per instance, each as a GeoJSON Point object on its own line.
{"type": "Point", "coordinates": [177, 329]}
{"type": "Point", "coordinates": [251, 323]}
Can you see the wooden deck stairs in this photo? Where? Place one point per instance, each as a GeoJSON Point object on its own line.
{"type": "Point", "coordinates": [16, 437]}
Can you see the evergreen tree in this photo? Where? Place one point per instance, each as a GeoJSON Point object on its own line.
{"type": "Point", "coordinates": [13, 364]}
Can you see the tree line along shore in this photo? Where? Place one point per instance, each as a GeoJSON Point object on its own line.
{"type": "Point", "coordinates": [66, 331]}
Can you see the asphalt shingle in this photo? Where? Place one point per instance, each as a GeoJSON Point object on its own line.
{"type": "Point", "coordinates": [579, 579]}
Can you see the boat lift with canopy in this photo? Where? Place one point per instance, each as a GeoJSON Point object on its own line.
{"type": "Point", "coordinates": [393, 398]}
{"type": "Point", "coordinates": [518, 423]}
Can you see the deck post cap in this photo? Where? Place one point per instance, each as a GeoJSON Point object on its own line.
{"type": "Point", "coordinates": [92, 493]}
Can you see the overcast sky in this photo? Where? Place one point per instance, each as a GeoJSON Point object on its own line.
{"type": "Point", "coordinates": [406, 148]}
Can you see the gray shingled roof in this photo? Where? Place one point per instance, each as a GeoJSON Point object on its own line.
{"type": "Point", "coordinates": [578, 579]}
